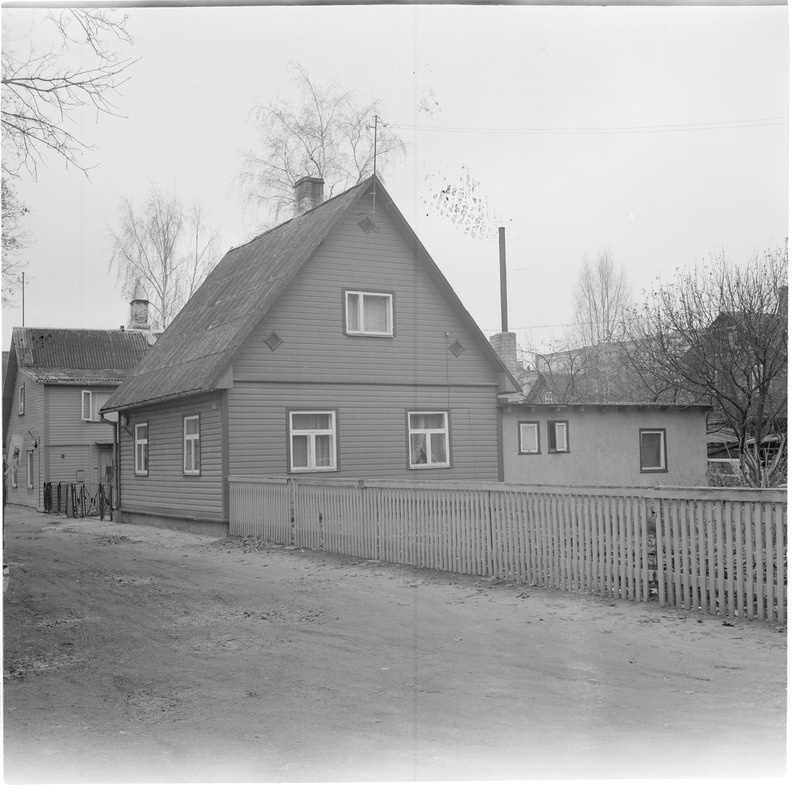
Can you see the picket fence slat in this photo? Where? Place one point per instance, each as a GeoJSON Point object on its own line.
{"type": "Point", "coordinates": [719, 551]}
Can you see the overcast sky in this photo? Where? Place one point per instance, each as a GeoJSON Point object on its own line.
{"type": "Point", "coordinates": [658, 133]}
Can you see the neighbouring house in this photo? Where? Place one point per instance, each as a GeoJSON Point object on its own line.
{"type": "Point", "coordinates": [329, 346]}
{"type": "Point", "coordinates": [547, 440]}
{"type": "Point", "coordinates": [55, 383]}
{"type": "Point", "coordinates": [605, 444]}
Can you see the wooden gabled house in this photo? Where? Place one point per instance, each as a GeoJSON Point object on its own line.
{"type": "Point", "coordinates": [56, 380]}
{"type": "Point", "coordinates": [329, 346]}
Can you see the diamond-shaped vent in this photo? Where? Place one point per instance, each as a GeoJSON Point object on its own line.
{"type": "Point", "coordinates": [367, 225]}
{"type": "Point", "coordinates": [456, 348]}
{"type": "Point", "coordinates": [273, 341]}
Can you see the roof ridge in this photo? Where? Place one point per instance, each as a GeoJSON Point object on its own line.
{"type": "Point", "coordinates": [295, 217]}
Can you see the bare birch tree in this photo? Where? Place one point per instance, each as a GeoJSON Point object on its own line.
{"type": "Point", "coordinates": [602, 295]}
{"type": "Point", "coordinates": [325, 132]}
{"type": "Point", "coordinates": [719, 333]}
{"type": "Point", "coordinates": [42, 92]}
{"type": "Point", "coordinates": [15, 239]}
{"type": "Point", "coordinates": [165, 247]}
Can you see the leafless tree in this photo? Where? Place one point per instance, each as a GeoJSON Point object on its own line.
{"type": "Point", "coordinates": [719, 333]}
{"type": "Point", "coordinates": [326, 132]}
{"type": "Point", "coordinates": [601, 296]}
{"type": "Point", "coordinates": [42, 92]}
{"type": "Point", "coordinates": [165, 247]}
{"type": "Point", "coordinates": [15, 239]}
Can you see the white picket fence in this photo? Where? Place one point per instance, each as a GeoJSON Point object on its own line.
{"type": "Point", "coordinates": [717, 550]}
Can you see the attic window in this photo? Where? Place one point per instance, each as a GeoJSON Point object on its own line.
{"type": "Point", "coordinates": [457, 349]}
{"type": "Point", "coordinates": [273, 341]}
{"type": "Point", "coordinates": [369, 314]}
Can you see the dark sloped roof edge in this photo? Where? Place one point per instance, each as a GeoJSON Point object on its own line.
{"type": "Point", "coordinates": [615, 405]}
{"type": "Point", "coordinates": [163, 399]}
{"type": "Point", "coordinates": [433, 270]}
{"type": "Point", "coordinates": [227, 357]}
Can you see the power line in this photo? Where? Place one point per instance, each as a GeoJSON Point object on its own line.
{"type": "Point", "coordinates": [769, 121]}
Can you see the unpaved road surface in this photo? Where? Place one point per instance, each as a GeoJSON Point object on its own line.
{"type": "Point", "coordinates": [136, 654]}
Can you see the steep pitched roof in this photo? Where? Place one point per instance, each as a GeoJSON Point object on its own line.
{"type": "Point", "coordinates": [71, 356]}
{"type": "Point", "coordinates": [199, 346]}
{"type": "Point", "coordinates": [77, 356]}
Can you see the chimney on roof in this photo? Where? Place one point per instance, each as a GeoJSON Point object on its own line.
{"type": "Point", "coordinates": [140, 309]}
{"type": "Point", "coordinates": [308, 193]}
{"type": "Point", "coordinates": [505, 344]}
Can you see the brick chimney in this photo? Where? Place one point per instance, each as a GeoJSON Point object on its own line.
{"type": "Point", "coordinates": [308, 193]}
{"type": "Point", "coordinates": [140, 310]}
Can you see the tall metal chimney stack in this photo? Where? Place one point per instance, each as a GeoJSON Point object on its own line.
{"type": "Point", "coordinates": [503, 289]}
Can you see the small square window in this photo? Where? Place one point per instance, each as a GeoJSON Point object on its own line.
{"type": "Point", "coordinates": [653, 449]}
{"type": "Point", "coordinates": [312, 441]}
{"type": "Point", "coordinates": [428, 439]}
{"type": "Point", "coordinates": [529, 438]}
{"type": "Point", "coordinates": [557, 436]}
{"type": "Point", "coordinates": [369, 314]}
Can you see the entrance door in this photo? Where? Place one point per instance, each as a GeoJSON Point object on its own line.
{"type": "Point", "coordinates": [105, 463]}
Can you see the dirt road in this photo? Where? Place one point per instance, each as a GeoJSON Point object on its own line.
{"type": "Point", "coordinates": [136, 654]}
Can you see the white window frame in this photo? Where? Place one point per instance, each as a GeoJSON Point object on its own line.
{"type": "Point", "coordinates": [191, 445]}
{"type": "Point", "coordinates": [21, 400]}
{"type": "Point", "coordinates": [558, 447]}
{"type": "Point", "coordinates": [428, 432]}
{"type": "Point", "coordinates": [93, 414]}
{"type": "Point", "coordinates": [360, 331]}
{"type": "Point", "coordinates": [311, 446]}
{"type": "Point", "coordinates": [29, 468]}
{"type": "Point", "coordinates": [141, 446]}
{"type": "Point", "coordinates": [662, 434]}
{"type": "Point", "coordinates": [529, 424]}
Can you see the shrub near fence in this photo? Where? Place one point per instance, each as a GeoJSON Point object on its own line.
{"type": "Point", "coordinates": [721, 551]}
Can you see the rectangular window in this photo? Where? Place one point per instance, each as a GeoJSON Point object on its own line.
{"type": "Point", "coordinates": [369, 314]}
{"type": "Point", "coordinates": [557, 436]}
{"type": "Point", "coordinates": [141, 439]}
{"type": "Point", "coordinates": [91, 403]}
{"type": "Point", "coordinates": [29, 468]}
{"type": "Point", "coordinates": [428, 439]}
{"type": "Point", "coordinates": [653, 449]}
{"type": "Point", "coordinates": [21, 407]}
{"type": "Point", "coordinates": [312, 441]}
{"type": "Point", "coordinates": [191, 445]}
{"type": "Point", "coordinates": [528, 438]}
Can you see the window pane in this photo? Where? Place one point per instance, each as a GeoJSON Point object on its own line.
{"type": "Point", "coordinates": [352, 312]}
{"type": "Point", "coordinates": [187, 456]}
{"type": "Point", "coordinates": [311, 422]}
{"type": "Point", "coordinates": [438, 448]}
{"type": "Point", "coordinates": [529, 438]}
{"type": "Point", "coordinates": [192, 425]}
{"type": "Point", "coordinates": [86, 412]}
{"type": "Point", "coordinates": [561, 436]}
{"type": "Point", "coordinates": [427, 421]}
{"type": "Point", "coordinates": [376, 313]}
{"type": "Point", "coordinates": [323, 451]}
{"type": "Point", "coordinates": [419, 449]}
{"type": "Point", "coordinates": [651, 451]}
{"type": "Point", "coordinates": [299, 452]}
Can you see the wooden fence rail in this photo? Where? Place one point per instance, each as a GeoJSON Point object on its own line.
{"type": "Point", "coordinates": [716, 550]}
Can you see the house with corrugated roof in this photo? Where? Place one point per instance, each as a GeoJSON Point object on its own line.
{"type": "Point", "coordinates": [55, 384]}
{"type": "Point", "coordinates": [329, 346]}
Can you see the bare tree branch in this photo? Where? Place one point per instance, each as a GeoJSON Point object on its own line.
{"type": "Point", "coordinates": [42, 94]}
{"type": "Point", "coordinates": [164, 247]}
{"type": "Point", "coordinates": [321, 134]}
